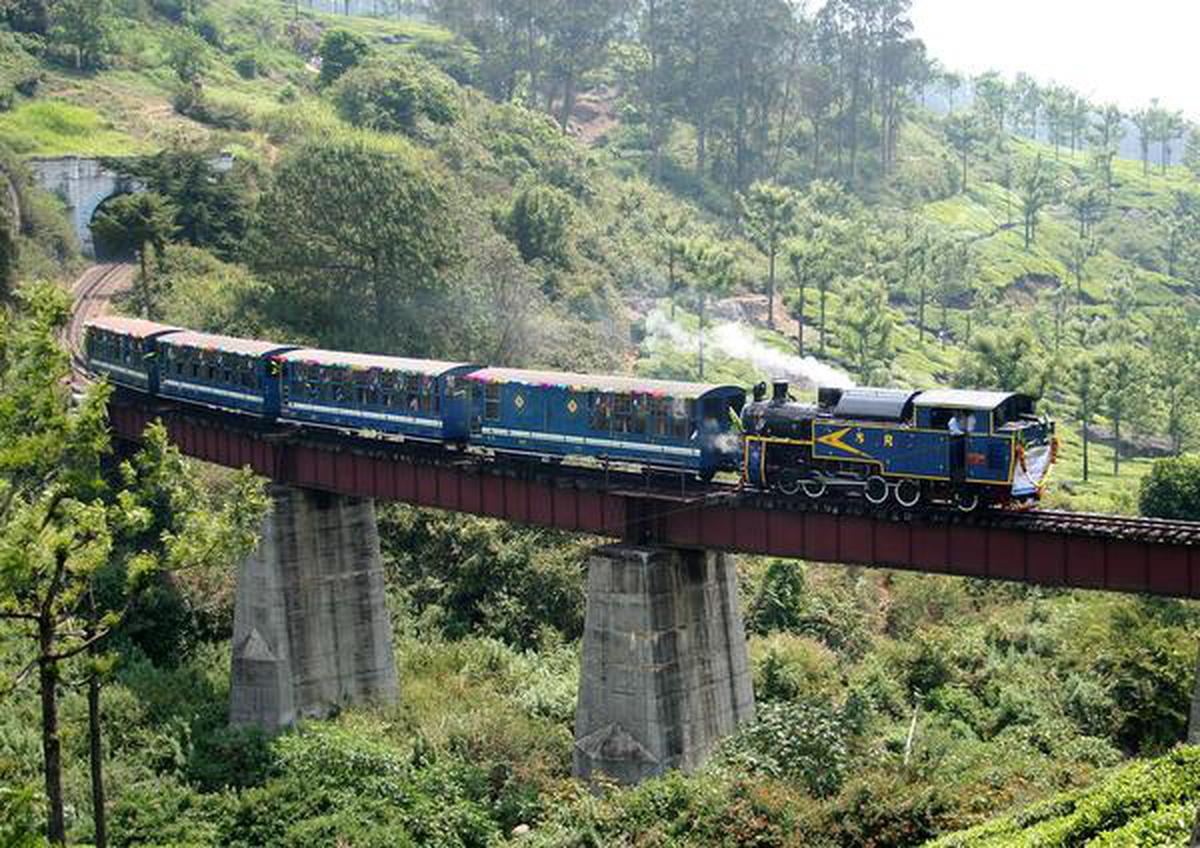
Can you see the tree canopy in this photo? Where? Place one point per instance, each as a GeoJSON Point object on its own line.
{"type": "Point", "coordinates": [357, 241]}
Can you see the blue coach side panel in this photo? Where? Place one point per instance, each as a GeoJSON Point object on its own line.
{"type": "Point", "coordinates": [414, 398]}
{"type": "Point", "coordinates": [653, 422]}
{"type": "Point", "coordinates": [220, 371]}
{"type": "Point", "coordinates": [123, 350]}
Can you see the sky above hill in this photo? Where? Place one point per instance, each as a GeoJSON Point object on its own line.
{"type": "Point", "coordinates": [1109, 51]}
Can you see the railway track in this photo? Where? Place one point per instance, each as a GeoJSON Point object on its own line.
{"type": "Point", "coordinates": [91, 295]}
{"type": "Point", "coordinates": [1118, 526]}
{"type": "Point", "coordinates": [1052, 521]}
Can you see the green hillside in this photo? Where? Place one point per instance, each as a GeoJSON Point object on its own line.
{"type": "Point", "coordinates": [408, 187]}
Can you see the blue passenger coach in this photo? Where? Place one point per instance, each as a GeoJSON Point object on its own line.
{"type": "Point", "coordinates": [220, 371]}
{"type": "Point", "coordinates": [655, 422]}
{"type": "Point", "coordinates": [123, 350]}
{"type": "Point", "coordinates": [414, 398]}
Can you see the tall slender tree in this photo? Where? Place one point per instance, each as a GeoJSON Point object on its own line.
{"type": "Point", "coordinates": [807, 258]}
{"type": "Point", "coordinates": [67, 514]}
{"type": "Point", "coordinates": [1146, 121]}
{"type": "Point", "coordinates": [1083, 381]}
{"type": "Point", "coordinates": [710, 269]}
{"type": "Point", "coordinates": [671, 240]}
{"type": "Point", "coordinates": [1176, 345]}
{"type": "Point", "coordinates": [1123, 393]}
{"type": "Point", "coordinates": [770, 214]}
{"type": "Point", "coordinates": [963, 132]}
{"type": "Point", "coordinates": [865, 329]}
{"type": "Point", "coordinates": [1036, 186]}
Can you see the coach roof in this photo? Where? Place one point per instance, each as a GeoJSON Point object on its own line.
{"type": "Point", "coordinates": [136, 327]}
{"type": "Point", "coordinates": [961, 399]}
{"type": "Point", "coordinates": [601, 383]}
{"type": "Point", "coordinates": [225, 344]}
{"type": "Point", "coordinates": [370, 361]}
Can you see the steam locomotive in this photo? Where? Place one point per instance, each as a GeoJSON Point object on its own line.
{"type": "Point", "coordinates": [964, 448]}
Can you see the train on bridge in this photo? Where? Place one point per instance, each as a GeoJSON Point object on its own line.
{"type": "Point", "coordinates": [967, 448]}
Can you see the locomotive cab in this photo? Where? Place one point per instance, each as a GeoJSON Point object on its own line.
{"type": "Point", "coordinates": [946, 445]}
{"type": "Point", "coordinates": [998, 446]}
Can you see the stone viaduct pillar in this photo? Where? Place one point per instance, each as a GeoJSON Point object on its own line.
{"type": "Point", "coordinates": [665, 671]}
{"type": "Point", "coordinates": [310, 629]}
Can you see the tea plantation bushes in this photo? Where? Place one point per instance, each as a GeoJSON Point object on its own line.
{"type": "Point", "coordinates": [1150, 802]}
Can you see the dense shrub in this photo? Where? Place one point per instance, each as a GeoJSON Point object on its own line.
{"type": "Point", "coordinates": [1172, 489]}
{"type": "Point", "coordinates": [473, 575]}
{"type": "Point", "coordinates": [392, 97]}
{"type": "Point", "coordinates": [805, 742]}
{"type": "Point", "coordinates": [539, 223]}
{"type": "Point", "coordinates": [247, 65]}
{"type": "Point", "coordinates": [340, 51]}
{"type": "Point", "coordinates": [235, 757]}
{"type": "Point", "coordinates": [789, 668]}
{"type": "Point", "coordinates": [209, 28]}
{"type": "Point", "coordinates": [18, 818]}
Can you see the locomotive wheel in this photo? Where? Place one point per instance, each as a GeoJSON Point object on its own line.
{"type": "Point", "coordinates": [788, 483]}
{"type": "Point", "coordinates": [908, 493]}
{"type": "Point", "coordinates": [966, 501]}
{"type": "Point", "coordinates": [814, 487]}
{"type": "Point", "coordinates": [876, 489]}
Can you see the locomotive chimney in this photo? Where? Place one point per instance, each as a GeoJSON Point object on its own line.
{"type": "Point", "coordinates": [779, 391]}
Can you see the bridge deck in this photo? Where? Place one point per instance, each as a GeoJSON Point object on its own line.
{"type": "Point", "coordinates": [1045, 548]}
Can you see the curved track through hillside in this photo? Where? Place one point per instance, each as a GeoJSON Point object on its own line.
{"type": "Point", "coordinates": [91, 296]}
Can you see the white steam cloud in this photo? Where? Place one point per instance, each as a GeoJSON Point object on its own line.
{"type": "Point", "coordinates": [736, 341]}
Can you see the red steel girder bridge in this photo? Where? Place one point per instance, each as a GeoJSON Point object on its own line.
{"type": "Point", "coordinates": [1044, 548]}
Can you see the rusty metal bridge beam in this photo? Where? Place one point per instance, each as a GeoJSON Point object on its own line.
{"type": "Point", "coordinates": [1006, 550]}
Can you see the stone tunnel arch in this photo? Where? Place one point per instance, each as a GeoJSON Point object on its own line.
{"type": "Point", "coordinates": [85, 184]}
{"type": "Point", "coordinates": [99, 249]}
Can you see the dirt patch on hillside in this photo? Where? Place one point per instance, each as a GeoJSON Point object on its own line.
{"type": "Point", "coordinates": [594, 116]}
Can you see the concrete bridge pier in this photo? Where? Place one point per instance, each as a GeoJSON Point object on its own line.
{"type": "Point", "coordinates": [310, 630]}
{"type": "Point", "coordinates": [665, 671]}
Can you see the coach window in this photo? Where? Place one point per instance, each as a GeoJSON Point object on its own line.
{"type": "Point", "coordinates": [681, 413]}
{"type": "Point", "coordinates": [622, 413]}
{"type": "Point", "coordinates": [411, 392]}
{"type": "Point", "coordinates": [491, 401]}
{"type": "Point", "coordinates": [640, 412]}
{"type": "Point", "coordinates": [600, 412]}
{"type": "Point", "coordinates": [660, 421]}
{"type": "Point", "coordinates": [426, 394]}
